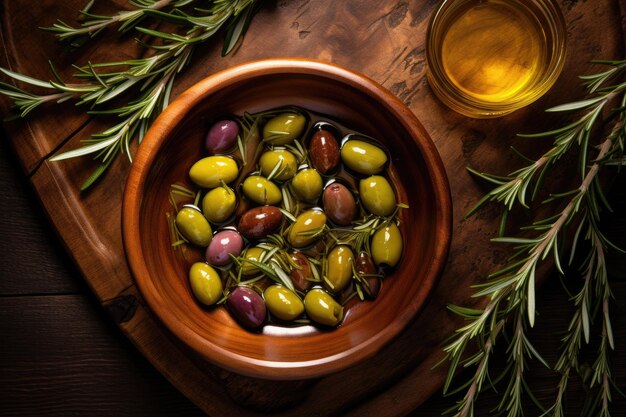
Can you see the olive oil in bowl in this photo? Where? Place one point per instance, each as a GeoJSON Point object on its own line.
{"type": "Point", "coordinates": [488, 58]}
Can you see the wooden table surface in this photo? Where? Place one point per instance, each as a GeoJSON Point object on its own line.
{"type": "Point", "coordinates": [61, 354]}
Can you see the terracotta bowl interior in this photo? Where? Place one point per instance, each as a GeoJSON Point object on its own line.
{"type": "Point", "coordinates": [175, 142]}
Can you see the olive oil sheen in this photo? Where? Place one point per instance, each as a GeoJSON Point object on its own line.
{"type": "Point", "coordinates": [493, 50]}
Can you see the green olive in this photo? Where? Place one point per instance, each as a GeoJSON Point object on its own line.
{"type": "Point", "coordinates": [194, 226]}
{"type": "Point", "coordinates": [377, 195]}
{"type": "Point", "coordinates": [307, 184]}
{"type": "Point", "coordinates": [282, 302]}
{"type": "Point", "coordinates": [339, 268]}
{"type": "Point", "coordinates": [287, 160]}
{"type": "Point", "coordinates": [284, 128]}
{"type": "Point", "coordinates": [206, 283]}
{"type": "Point", "coordinates": [322, 308]}
{"type": "Point", "coordinates": [261, 190]}
{"type": "Point", "coordinates": [304, 230]}
{"type": "Point", "coordinates": [387, 245]}
{"type": "Point", "coordinates": [363, 157]}
{"type": "Point", "coordinates": [253, 254]}
{"type": "Point", "coordinates": [209, 172]}
{"type": "Point", "coordinates": [219, 204]}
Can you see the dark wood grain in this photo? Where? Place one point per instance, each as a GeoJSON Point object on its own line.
{"type": "Point", "coordinates": [61, 354]}
{"type": "Point", "coordinates": [386, 43]}
{"type": "Point", "coordinates": [108, 376]}
{"type": "Point", "coordinates": [34, 236]}
{"type": "Point", "coordinates": [86, 367]}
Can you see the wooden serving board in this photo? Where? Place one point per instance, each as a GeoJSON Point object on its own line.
{"type": "Point", "coordinates": [382, 39]}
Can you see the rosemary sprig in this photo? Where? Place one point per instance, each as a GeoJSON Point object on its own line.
{"type": "Point", "coordinates": [514, 187]}
{"type": "Point", "coordinates": [146, 82]}
{"type": "Point", "coordinates": [93, 24]}
{"type": "Point", "coordinates": [358, 236]}
{"type": "Point", "coordinates": [274, 263]}
{"type": "Point", "coordinates": [182, 193]}
{"type": "Point", "coordinates": [179, 193]}
{"type": "Point", "coordinates": [511, 290]}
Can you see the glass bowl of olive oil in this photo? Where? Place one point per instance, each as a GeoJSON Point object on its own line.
{"type": "Point", "coordinates": [488, 58]}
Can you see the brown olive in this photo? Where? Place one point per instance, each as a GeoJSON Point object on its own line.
{"type": "Point", "coordinates": [259, 222]}
{"type": "Point", "coordinates": [324, 151]}
{"type": "Point", "coordinates": [366, 269]}
{"type": "Point", "coordinates": [301, 276]}
{"type": "Point", "coordinates": [339, 204]}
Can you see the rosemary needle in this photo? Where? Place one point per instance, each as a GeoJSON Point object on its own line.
{"type": "Point", "coordinates": [510, 292]}
{"type": "Point", "coordinates": [145, 83]}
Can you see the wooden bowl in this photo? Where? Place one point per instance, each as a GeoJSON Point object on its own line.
{"type": "Point", "coordinates": [175, 142]}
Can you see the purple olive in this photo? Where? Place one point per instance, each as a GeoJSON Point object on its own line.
{"type": "Point", "coordinates": [247, 306]}
{"type": "Point", "coordinates": [222, 136]}
{"type": "Point", "coordinates": [224, 244]}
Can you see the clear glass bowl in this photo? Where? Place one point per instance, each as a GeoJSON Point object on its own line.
{"type": "Point", "coordinates": [488, 58]}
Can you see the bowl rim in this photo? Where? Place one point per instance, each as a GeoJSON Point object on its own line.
{"type": "Point", "coordinates": [152, 143]}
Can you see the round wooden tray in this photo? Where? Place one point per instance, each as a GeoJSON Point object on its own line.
{"type": "Point", "coordinates": [385, 41]}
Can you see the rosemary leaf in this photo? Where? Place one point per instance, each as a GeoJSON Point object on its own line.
{"type": "Point", "coordinates": [511, 306]}
{"type": "Point", "coordinates": [143, 84]}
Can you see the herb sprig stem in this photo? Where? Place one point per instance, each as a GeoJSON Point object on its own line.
{"type": "Point", "coordinates": [511, 290]}
{"type": "Point", "coordinates": [145, 82]}
{"type": "Point", "coordinates": [94, 24]}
